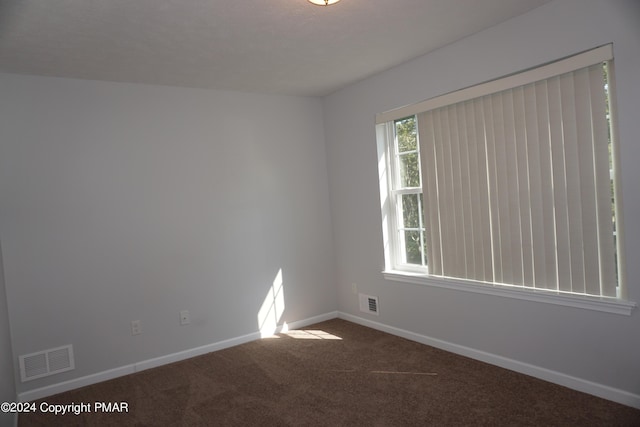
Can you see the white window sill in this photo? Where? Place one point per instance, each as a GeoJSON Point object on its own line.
{"type": "Point", "coordinates": [609, 305]}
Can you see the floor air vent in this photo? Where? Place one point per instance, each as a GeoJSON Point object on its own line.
{"type": "Point", "coordinates": [369, 304]}
{"type": "Point", "coordinates": [45, 363]}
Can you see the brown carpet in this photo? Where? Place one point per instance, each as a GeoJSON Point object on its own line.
{"type": "Point", "coordinates": [365, 378]}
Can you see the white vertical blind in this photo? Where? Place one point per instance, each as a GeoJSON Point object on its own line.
{"type": "Point", "coordinates": [517, 187]}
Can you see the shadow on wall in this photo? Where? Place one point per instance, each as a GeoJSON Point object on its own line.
{"type": "Point", "coordinates": [7, 385]}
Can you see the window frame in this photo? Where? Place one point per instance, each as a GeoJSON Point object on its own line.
{"type": "Point", "coordinates": [397, 271]}
{"type": "Point", "coordinates": [395, 198]}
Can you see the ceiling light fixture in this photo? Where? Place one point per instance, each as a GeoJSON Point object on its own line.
{"type": "Point", "coordinates": [323, 2]}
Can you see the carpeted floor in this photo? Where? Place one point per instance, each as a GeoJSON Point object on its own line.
{"type": "Point", "coordinates": [334, 373]}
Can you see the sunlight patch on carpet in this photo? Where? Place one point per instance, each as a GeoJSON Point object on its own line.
{"type": "Point", "coordinates": [309, 334]}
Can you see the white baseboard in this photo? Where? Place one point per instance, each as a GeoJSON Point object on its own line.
{"type": "Point", "coordinates": [585, 386]}
{"type": "Point", "coordinates": [50, 390]}
{"type": "Point", "coordinates": [176, 357]}
{"type": "Point", "coordinates": [599, 390]}
{"type": "Point", "coordinates": [98, 377]}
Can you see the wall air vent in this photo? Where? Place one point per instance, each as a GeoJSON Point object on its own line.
{"type": "Point", "coordinates": [45, 363]}
{"type": "Point", "coordinates": [369, 304]}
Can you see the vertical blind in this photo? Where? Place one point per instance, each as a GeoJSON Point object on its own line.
{"type": "Point", "coordinates": [517, 187]}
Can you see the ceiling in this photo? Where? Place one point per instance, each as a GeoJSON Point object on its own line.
{"type": "Point", "coordinates": [270, 46]}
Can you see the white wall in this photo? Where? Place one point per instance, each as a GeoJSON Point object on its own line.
{"type": "Point", "coordinates": [7, 385]}
{"type": "Point", "coordinates": [125, 201]}
{"type": "Point", "coordinates": [592, 346]}
{"type": "Point", "coordinates": [122, 202]}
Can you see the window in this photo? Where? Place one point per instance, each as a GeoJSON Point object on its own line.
{"type": "Point", "coordinates": [406, 193]}
{"type": "Point", "coordinates": [510, 184]}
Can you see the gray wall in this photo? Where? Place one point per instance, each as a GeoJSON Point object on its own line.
{"type": "Point", "coordinates": [599, 347]}
{"type": "Point", "coordinates": [127, 201]}
{"type": "Point", "coordinates": [7, 384]}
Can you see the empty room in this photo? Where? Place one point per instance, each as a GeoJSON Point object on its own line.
{"type": "Point", "coordinates": [357, 212]}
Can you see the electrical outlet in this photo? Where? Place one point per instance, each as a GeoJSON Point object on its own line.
{"type": "Point", "coordinates": [184, 317]}
{"type": "Point", "coordinates": [354, 288]}
{"type": "Point", "coordinates": [136, 327]}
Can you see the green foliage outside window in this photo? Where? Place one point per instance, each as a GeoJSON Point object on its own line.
{"type": "Point", "coordinates": [409, 177]}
